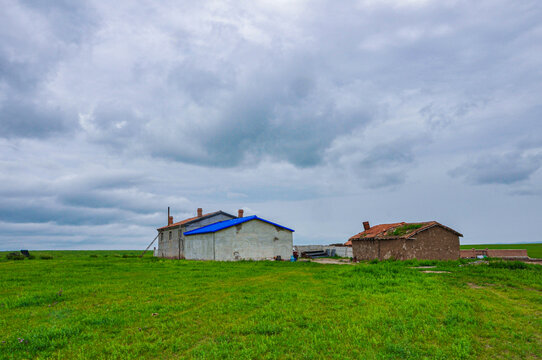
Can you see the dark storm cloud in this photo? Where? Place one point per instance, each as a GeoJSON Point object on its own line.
{"type": "Point", "coordinates": [35, 38]}
{"type": "Point", "coordinates": [288, 125]}
{"type": "Point", "coordinates": [21, 112]}
{"type": "Point", "coordinates": [68, 21]}
{"type": "Point", "coordinates": [507, 168]}
{"type": "Point", "coordinates": [86, 198]}
{"type": "Point", "coordinates": [389, 154]}
{"type": "Point", "coordinates": [222, 93]}
{"type": "Point", "coordinates": [23, 119]}
{"type": "Point", "coordinates": [110, 113]}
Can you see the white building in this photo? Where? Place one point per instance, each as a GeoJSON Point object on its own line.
{"type": "Point", "coordinates": [244, 238]}
{"type": "Point", "coordinates": [171, 237]}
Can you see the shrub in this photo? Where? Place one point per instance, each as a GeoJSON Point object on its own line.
{"type": "Point", "coordinates": [31, 257]}
{"type": "Point", "coordinates": [15, 256]}
{"type": "Point", "coordinates": [512, 265]}
{"type": "Point", "coordinates": [93, 256]}
{"type": "Point", "coordinates": [46, 257]}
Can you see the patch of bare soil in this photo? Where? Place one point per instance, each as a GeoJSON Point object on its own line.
{"type": "Point", "coordinates": [533, 261]}
{"type": "Point", "coordinates": [477, 262]}
{"type": "Point", "coordinates": [334, 261]}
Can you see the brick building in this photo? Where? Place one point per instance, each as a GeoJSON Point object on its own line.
{"type": "Point", "coordinates": [402, 241]}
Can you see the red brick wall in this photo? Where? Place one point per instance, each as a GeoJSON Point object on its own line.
{"type": "Point", "coordinates": [496, 253]}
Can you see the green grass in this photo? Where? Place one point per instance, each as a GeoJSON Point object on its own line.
{"type": "Point", "coordinates": [533, 250]}
{"type": "Point", "coordinates": [75, 306]}
{"type": "Point", "coordinates": [403, 229]}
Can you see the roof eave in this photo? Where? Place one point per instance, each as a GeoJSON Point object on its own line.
{"type": "Point", "coordinates": [380, 238]}
{"type": "Point", "coordinates": [168, 227]}
{"type": "Point", "coordinates": [433, 224]}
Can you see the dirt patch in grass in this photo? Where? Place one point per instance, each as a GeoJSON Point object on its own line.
{"type": "Point", "coordinates": [334, 261]}
{"type": "Point", "coordinates": [435, 272]}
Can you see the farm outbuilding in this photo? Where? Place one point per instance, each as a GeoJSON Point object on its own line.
{"type": "Point", "coordinates": [243, 238]}
{"type": "Point", "coordinates": [401, 241]}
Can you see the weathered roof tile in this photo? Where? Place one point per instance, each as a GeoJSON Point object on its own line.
{"type": "Point", "coordinates": [400, 230]}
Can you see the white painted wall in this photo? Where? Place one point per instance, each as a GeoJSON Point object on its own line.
{"type": "Point", "coordinates": [252, 240]}
{"type": "Point", "coordinates": [200, 248]}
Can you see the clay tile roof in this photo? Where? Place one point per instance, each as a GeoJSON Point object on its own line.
{"type": "Point", "coordinates": [187, 221]}
{"type": "Point", "coordinates": [373, 231]}
{"type": "Point", "coordinates": [386, 231]}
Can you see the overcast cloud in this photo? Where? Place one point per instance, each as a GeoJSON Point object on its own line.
{"type": "Point", "coordinates": [318, 115]}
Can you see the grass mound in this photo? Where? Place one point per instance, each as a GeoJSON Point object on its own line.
{"type": "Point", "coordinates": [404, 229]}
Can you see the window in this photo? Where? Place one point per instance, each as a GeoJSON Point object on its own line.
{"type": "Point", "coordinates": [161, 236]}
{"type": "Point", "coordinates": [170, 235]}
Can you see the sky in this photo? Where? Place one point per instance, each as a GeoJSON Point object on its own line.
{"type": "Point", "coordinates": [318, 115]}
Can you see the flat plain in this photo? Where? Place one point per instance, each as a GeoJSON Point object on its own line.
{"type": "Point", "coordinates": [534, 250]}
{"type": "Point", "coordinates": [114, 305]}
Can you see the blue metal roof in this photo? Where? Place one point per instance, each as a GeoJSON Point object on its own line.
{"type": "Point", "coordinates": [229, 223]}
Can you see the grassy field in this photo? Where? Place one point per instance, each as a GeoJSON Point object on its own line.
{"type": "Point", "coordinates": [533, 250]}
{"type": "Point", "coordinates": [101, 305]}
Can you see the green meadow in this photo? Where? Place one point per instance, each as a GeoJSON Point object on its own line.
{"type": "Point", "coordinates": [113, 305]}
{"type": "Point", "coordinates": [534, 250]}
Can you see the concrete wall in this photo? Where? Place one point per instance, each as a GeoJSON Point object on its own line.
{"type": "Point", "coordinates": [343, 251]}
{"type": "Point", "coordinates": [434, 243]}
{"type": "Point", "coordinates": [495, 253]}
{"type": "Point", "coordinates": [252, 240]}
{"type": "Point", "coordinates": [170, 248]}
{"type": "Point", "coordinates": [199, 247]}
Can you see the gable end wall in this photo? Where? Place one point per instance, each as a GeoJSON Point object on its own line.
{"type": "Point", "coordinates": [434, 243]}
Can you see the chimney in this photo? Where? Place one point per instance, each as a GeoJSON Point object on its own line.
{"type": "Point", "coordinates": [200, 212]}
{"type": "Point", "coordinates": [170, 220]}
{"type": "Point", "coordinates": [240, 213]}
{"type": "Point", "coordinates": [366, 225]}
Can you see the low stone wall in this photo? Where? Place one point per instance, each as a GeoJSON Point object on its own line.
{"type": "Point", "coordinates": [494, 253]}
{"type": "Point", "coordinates": [342, 251]}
